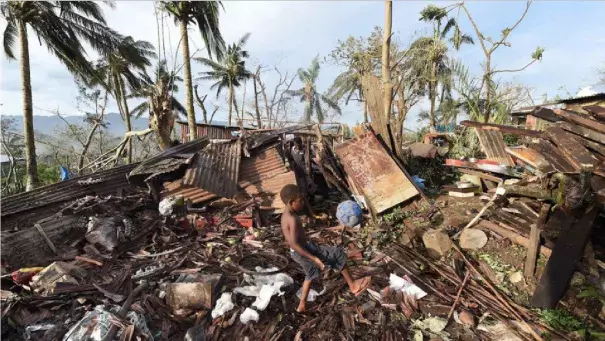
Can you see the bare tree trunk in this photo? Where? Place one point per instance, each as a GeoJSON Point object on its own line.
{"type": "Point", "coordinates": [230, 102]}
{"type": "Point", "coordinates": [126, 117]}
{"type": "Point", "coordinates": [28, 114]}
{"type": "Point", "coordinates": [488, 87]}
{"type": "Point", "coordinates": [200, 102]}
{"type": "Point", "coordinates": [243, 102]}
{"type": "Point", "coordinates": [188, 83]}
{"type": "Point", "coordinates": [365, 111]}
{"type": "Point", "coordinates": [257, 111]}
{"type": "Point", "coordinates": [91, 134]}
{"type": "Point", "coordinates": [386, 59]}
{"type": "Point", "coordinates": [432, 96]}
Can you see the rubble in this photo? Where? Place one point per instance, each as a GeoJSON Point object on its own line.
{"type": "Point", "coordinates": [190, 246]}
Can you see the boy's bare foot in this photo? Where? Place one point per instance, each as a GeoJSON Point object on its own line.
{"type": "Point", "coordinates": [360, 285]}
{"type": "Point", "coordinates": [301, 308]}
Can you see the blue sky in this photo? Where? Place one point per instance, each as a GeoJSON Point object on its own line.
{"type": "Point", "coordinates": [289, 34]}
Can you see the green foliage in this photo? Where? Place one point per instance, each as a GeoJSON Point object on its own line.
{"type": "Point", "coordinates": [231, 73]}
{"type": "Point", "coordinates": [64, 27]}
{"type": "Point", "coordinates": [48, 174]}
{"type": "Point", "coordinates": [203, 14]}
{"type": "Point", "coordinates": [560, 319]}
{"type": "Point", "coordinates": [309, 94]}
{"type": "Point", "coordinates": [396, 216]}
{"type": "Point", "coordinates": [537, 55]}
{"type": "Point", "coordinates": [511, 139]}
{"type": "Point", "coordinates": [433, 171]}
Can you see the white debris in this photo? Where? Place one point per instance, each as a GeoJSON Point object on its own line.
{"type": "Point", "coordinates": [223, 305]}
{"type": "Point", "coordinates": [405, 285]}
{"type": "Point", "coordinates": [263, 287]}
{"type": "Point", "coordinates": [248, 315]}
{"type": "Point", "coordinates": [313, 294]}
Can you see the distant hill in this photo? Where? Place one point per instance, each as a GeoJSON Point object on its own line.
{"type": "Point", "coordinates": [47, 125]}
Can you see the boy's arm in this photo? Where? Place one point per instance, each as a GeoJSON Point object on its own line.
{"type": "Point", "coordinates": [295, 245]}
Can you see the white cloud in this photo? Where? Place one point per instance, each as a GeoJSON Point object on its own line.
{"type": "Point", "coordinates": [293, 32]}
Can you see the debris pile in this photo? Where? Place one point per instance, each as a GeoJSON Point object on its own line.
{"type": "Point", "coordinates": [188, 244]}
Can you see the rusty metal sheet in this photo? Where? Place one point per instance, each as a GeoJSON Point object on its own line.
{"type": "Point", "coordinates": [194, 194]}
{"type": "Point", "coordinates": [492, 143]}
{"type": "Point", "coordinates": [375, 173]}
{"type": "Point", "coordinates": [264, 173]}
{"type": "Point", "coordinates": [268, 189]}
{"type": "Point", "coordinates": [100, 183]}
{"type": "Point", "coordinates": [575, 153]}
{"type": "Point", "coordinates": [215, 169]}
{"type": "Point", "coordinates": [170, 159]}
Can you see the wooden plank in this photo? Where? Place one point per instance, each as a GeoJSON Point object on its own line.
{"type": "Point", "coordinates": [571, 149]}
{"type": "Point", "coordinates": [576, 118]}
{"type": "Point", "coordinates": [482, 175]}
{"type": "Point", "coordinates": [514, 237]}
{"type": "Point", "coordinates": [583, 132]}
{"type": "Point", "coordinates": [531, 157]}
{"type": "Point", "coordinates": [597, 111]}
{"type": "Point", "coordinates": [562, 263]}
{"type": "Point", "coordinates": [375, 172]}
{"type": "Point", "coordinates": [492, 143]}
{"type": "Point", "coordinates": [552, 155]}
{"type": "Point", "coordinates": [534, 242]}
{"type": "Point", "coordinates": [502, 128]}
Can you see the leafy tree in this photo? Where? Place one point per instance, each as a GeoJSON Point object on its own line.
{"type": "Point", "coordinates": [122, 67]}
{"type": "Point", "coordinates": [308, 93]}
{"type": "Point", "coordinates": [431, 54]}
{"type": "Point", "coordinates": [63, 26]}
{"type": "Point", "coordinates": [161, 104]}
{"type": "Point", "coordinates": [229, 74]}
{"type": "Point", "coordinates": [204, 14]}
{"type": "Point", "coordinates": [345, 86]}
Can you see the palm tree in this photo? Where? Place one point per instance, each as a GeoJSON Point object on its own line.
{"type": "Point", "coordinates": [206, 15]}
{"type": "Point", "coordinates": [62, 26]}
{"type": "Point", "coordinates": [160, 103]}
{"type": "Point", "coordinates": [123, 67]}
{"type": "Point", "coordinates": [345, 86]}
{"type": "Point", "coordinates": [432, 54]}
{"type": "Point", "coordinates": [230, 73]}
{"type": "Point", "coordinates": [308, 93]}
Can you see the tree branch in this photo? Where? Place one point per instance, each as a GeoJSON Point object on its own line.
{"type": "Point", "coordinates": [514, 70]}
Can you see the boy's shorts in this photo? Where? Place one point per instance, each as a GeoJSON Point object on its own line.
{"type": "Point", "coordinates": [333, 257]}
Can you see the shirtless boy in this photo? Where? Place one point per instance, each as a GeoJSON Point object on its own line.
{"type": "Point", "coordinates": [312, 258]}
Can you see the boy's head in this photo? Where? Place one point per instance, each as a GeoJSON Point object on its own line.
{"type": "Point", "coordinates": [292, 197]}
{"type": "Point", "coordinates": [298, 141]}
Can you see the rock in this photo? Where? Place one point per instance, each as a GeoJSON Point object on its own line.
{"type": "Point", "coordinates": [467, 318]}
{"type": "Point", "coordinates": [437, 243]}
{"type": "Point", "coordinates": [456, 220]}
{"type": "Point", "coordinates": [473, 239]}
{"type": "Point", "coordinates": [516, 277]}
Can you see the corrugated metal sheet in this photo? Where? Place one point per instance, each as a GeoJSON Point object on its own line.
{"type": "Point", "coordinates": [170, 159]}
{"type": "Point", "coordinates": [264, 172]}
{"type": "Point", "coordinates": [261, 165]}
{"type": "Point", "coordinates": [216, 169]}
{"type": "Point", "coordinates": [374, 173]}
{"type": "Point", "coordinates": [596, 96]}
{"type": "Point", "coordinates": [20, 248]}
{"type": "Point", "coordinates": [493, 146]}
{"type": "Point", "coordinates": [196, 195]}
{"type": "Point", "coordinates": [99, 183]}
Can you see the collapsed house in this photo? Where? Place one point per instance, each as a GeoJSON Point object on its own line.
{"type": "Point", "coordinates": [114, 254]}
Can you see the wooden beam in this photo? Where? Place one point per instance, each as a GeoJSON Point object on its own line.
{"type": "Point", "coordinates": [534, 242]}
{"type": "Point", "coordinates": [576, 118]}
{"type": "Point", "coordinates": [482, 175]}
{"type": "Point", "coordinates": [571, 149]}
{"type": "Point", "coordinates": [552, 155]}
{"type": "Point", "coordinates": [562, 264]}
{"type": "Point", "coordinates": [502, 128]}
{"type": "Point", "coordinates": [583, 132]}
{"type": "Point", "coordinates": [514, 237]}
{"type": "Point", "coordinates": [597, 111]}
